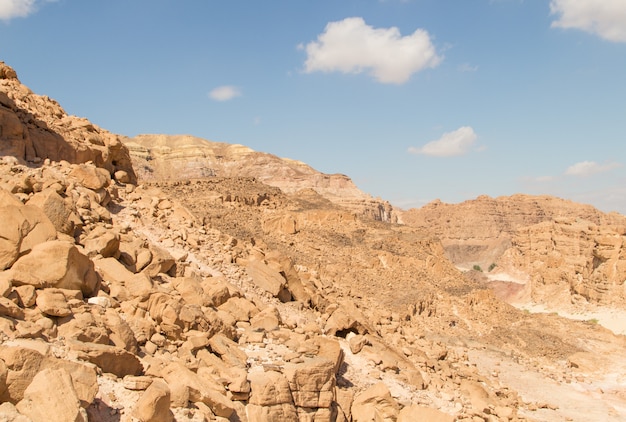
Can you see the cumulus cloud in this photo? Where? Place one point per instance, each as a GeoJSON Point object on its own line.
{"type": "Point", "coordinates": [453, 143]}
{"type": "Point", "coordinates": [352, 46]}
{"type": "Point", "coordinates": [588, 168]}
{"type": "Point", "coordinates": [10, 9]}
{"type": "Point", "coordinates": [225, 93]}
{"type": "Point", "coordinates": [605, 18]}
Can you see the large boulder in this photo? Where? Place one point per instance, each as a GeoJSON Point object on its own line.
{"type": "Point", "coordinates": [51, 393]}
{"type": "Point", "coordinates": [23, 227]}
{"type": "Point", "coordinates": [56, 263]}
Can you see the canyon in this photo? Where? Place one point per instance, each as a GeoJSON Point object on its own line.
{"type": "Point", "coordinates": [163, 278]}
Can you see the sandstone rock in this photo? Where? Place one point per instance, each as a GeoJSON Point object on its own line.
{"type": "Point", "coordinates": [267, 278]}
{"type": "Point", "coordinates": [228, 350]}
{"type": "Point", "coordinates": [268, 319]}
{"type": "Point", "coordinates": [123, 284]}
{"type": "Point", "coordinates": [91, 177]}
{"type": "Point", "coordinates": [191, 290]}
{"type": "Point", "coordinates": [217, 293]}
{"type": "Point", "coordinates": [51, 393]}
{"type": "Point", "coordinates": [10, 309]}
{"type": "Point", "coordinates": [240, 308]}
{"type": "Point", "coordinates": [26, 295]}
{"type": "Point", "coordinates": [57, 264]}
{"type": "Point", "coordinates": [375, 404]}
{"type": "Point", "coordinates": [186, 385]}
{"type": "Point", "coordinates": [110, 359]}
{"type": "Point", "coordinates": [269, 389]}
{"type": "Point", "coordinates": [162, 262]}
{"type": "Point", "coordinates": [3, 377]}
{"type": "Point", "coordinates": [477, 395]}
{"type": "Point", "coordinates": [121, 335]}
{"type": "Point", "coordinates": [84, 327]}
{"type": "Point", "coordinates": [312, 383]}
{"type": "Point", "coordinates": [154, 404]}
{"type": "Point", "coordinates": [84, 378]}
{"type": "Point", "coordinates": [356, 343]}
{"type": "Point", "coordinates": [414, 413]}
{"type": "Point", "coordinates": [23, 228]}
{"type": "Point", "coordinates": [101, 241]}
{"type": "Point", "coordinates": [53, 302]}
{"type": "Point", "coordinates": [56, 209]}
{"type": "Point", "coordinates": [22, 365]}
{"type": "Point", "coordinates": [271, 413]}
{"type": "Point", "coordinates": [343, 320]}
{"type": "Point", "coordinates": [10, 414]}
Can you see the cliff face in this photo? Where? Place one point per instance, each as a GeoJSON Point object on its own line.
{"type": "Point", "coordinates": [183, 157]}
{"type": "Point", "coordinates": [565, 259]}
{"type": "Point", "coordinates": [561, 249]}
{"type": "Point", "coordinates": [35, 127]}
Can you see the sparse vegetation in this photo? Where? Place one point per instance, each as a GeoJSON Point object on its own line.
{"type": "Point", "coordinates": [477, 268]}
{"type": "Point", "coordinates": [492, 266]}
{"type": "Point", "coordinates": [593, 321]}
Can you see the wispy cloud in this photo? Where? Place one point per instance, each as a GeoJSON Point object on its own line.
{"type": "Point", "coordinates": [453, 143]}
{"type": "Point", "coordinates": [352, 46]}
{"type": "Point", "coordinates": [605, 18]}
{"type": "Point", "coordinates": [466, 67]}
{"type": "Point", "coordinates": [538, 179]}
{"type": "Point", "coordinates": [225, 93]}
{"type": "Point", "coordinates": [588, 168]}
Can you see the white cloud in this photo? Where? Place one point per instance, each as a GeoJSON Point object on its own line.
{"type": "Point", "coordinates": [352, 46]}
{"type": "Point", "coordinates": [10, 9]}
{"type": "Point", "coordinates": [453, 143]}
{"type": "Point", "coordinates": [606, 18]}
{"type": "Point", "coordinates": [587, 168]}
{"type": "Point", "coordinates": [225, 93]}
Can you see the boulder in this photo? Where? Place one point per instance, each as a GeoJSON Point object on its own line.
{"type": "Point", "coordinates": [123, 284]}
{"type": "Point", "coordinates": [56, 263]}
{"type": "Point", "coordinates": [22, 365]}
{"type": "Point", "coordinates": [23, 227]}
{"type": "Point", "coordinates": [53, 302]}
{"type": "Point", "coordinates": [154, 404]}
{"type": "Point", "coordinates": [267, 278]}
{"type": "Point", "coordinates": [267, 320]}
{"type": "Point", "coordinates": [161, 262]}
{"type": "Point", "coordinates": [51, 393]}
{"type": "Point", "coordinates": [228, 350]}
{"type": "Point", "coordinates": [375, 404]}
{"type": "Point", "coordinates": [312, 383]}
{"type": "Point", "coordinates": [57, 209]}
{"type": "Point", "coordinates": [91, 177]}
{"type": "Point", "coordinates": [103, 242]}
{"type": "Point", "coordinates": [111, 359]}
{"type": "Point", "coordinates": [269, 389]}
{"type": "Point", "coordinates": [185, 385]}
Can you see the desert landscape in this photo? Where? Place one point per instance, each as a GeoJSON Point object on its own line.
{"type": "Point", "coordinates": [162, 278]}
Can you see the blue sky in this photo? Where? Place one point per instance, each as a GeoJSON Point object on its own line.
{"type": "Point", "coordinates": [413, 99]}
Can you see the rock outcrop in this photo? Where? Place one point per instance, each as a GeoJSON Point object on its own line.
{"type": "Point", "coordinates": [35, 127]}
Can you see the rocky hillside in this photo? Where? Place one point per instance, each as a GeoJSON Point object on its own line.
{"type": "Point", "coordinates": [183, 157]}
{"type": "Point", "coordinates": [227, 299]}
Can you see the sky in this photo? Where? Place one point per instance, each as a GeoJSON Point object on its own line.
{"type": "Point", "coordinates": [415, 100]}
